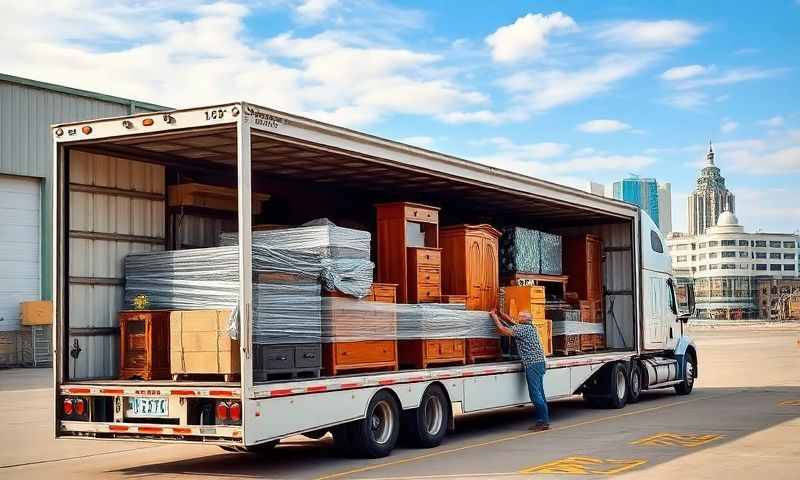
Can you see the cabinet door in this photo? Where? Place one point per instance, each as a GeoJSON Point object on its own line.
{"type": "Point", "coordinates": [594, 274]}
{"type": "Point", "coordinates": [474, 272]}
{"type": "Point", "coordinates": [490, 268]}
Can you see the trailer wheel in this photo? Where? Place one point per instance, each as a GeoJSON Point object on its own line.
{"type": "Point", "coordinates": [376, 435]}
{"type": "Point", "coordinates": [689, 365]}
{"type": "Point", "coordinates": [617, 386]}
{"type": "Point", "coordinates": [635, 382]}
{"type": "Point", "coordinates": [426, 426]}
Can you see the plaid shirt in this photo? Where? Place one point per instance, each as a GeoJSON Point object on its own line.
{"type": "Point", "coordinates": [528, 344]}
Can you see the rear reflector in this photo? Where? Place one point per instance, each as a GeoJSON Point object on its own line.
{"type": "Point", "coordinates": [118, 428]}
{"type": "Point", "coordinates": [80, 407]}
{"type": "Point", "coordinates": [67, 406]}
{"type": "Point", "coordinates": [112, 391]}
{"type": "Point", "coordinates": [222, 411]}
{"type": "Point", "coordinates": [220, 393]}
{"type": "Point", "coordinates": [184, 393]}
{"type": "Point", "coordinates": [182, 431]}
{"type": "Point", "coordinates": [147, 122]}
{"type": "Point", "coordinates": [78, 391]}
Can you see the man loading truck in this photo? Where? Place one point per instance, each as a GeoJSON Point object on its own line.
{"type": "Point", "coordinates": [531, 355]}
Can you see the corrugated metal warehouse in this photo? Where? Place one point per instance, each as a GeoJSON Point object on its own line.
{"type": "Point", "coordinates": [27, 109]}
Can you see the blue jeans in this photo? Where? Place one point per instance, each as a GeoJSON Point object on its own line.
{"type": "Point", "coordinates": [535, 375]}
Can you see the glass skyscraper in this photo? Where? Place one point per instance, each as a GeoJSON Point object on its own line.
{"type": "Point", "coordinates": [640, 191]}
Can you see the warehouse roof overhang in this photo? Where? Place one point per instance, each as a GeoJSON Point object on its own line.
{"type": "Point", "coordinates": [285, 146]}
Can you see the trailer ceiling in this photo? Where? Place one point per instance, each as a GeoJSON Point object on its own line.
{"type": "Point", "coordinates": [291, 160]}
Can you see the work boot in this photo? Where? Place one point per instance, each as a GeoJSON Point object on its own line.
{"type": "Point", "coordinates": [539, 427]}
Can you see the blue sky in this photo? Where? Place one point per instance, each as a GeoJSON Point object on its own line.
{"type": "Point", "coordinates": [566, 91]}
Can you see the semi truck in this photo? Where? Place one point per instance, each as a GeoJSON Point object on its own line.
{"type": "Point", "coordinates": [111, 176]}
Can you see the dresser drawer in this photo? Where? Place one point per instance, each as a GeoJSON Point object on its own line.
{"type": "Point", "coordinates": [444, 348]}
{"type": "Point", "coordinates": [428, 293]}
{"type": "Point", "coordinates": [366, 352]}
{"type": "Point", "coordinates": [278, 358]}
{"type": "Point", "coordinates": [428, 256]}
{"type": "Point", "coordinates": [429, 275]}
{"type": "Point", "coordinates": [538, 311]}
{"type": "Point", "coordinates": [421, 214]}
{"type": "Point", "coordinates": [309, 356]}
{"type": "Point", "coordinates": [384, 292]}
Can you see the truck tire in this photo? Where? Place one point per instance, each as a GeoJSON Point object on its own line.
{"type": "Point", "coordinates": [376, 435]}
{"type": "Point", "coordinates": [635, 382]}
{"type": "Point", "coordinates": [617, 386]}
{"type": "Point", "coordinates": [426, 426]}
{"type": "Point", "coordinates": [689, 365]}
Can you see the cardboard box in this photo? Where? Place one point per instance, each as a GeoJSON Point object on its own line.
{"type": "Point", "coordinates": [37, 313]}
{"type": "Point", "coordinates": [200, 344]}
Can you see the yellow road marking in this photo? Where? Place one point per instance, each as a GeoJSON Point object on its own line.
{"type": "Point", "coordinates": [677, 440]}
{"type": "Point", "coordinates": [790, 403]}
{"type": "Point", "coordinates": [585, 466]}
{"type": "Point", "coordinates": [439, 453]}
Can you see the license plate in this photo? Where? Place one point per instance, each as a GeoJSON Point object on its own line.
{"type": "Point", "coordinates": [148, 407]}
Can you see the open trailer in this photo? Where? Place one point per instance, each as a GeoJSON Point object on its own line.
{"type": "Point", "coordinates": [111, 178]}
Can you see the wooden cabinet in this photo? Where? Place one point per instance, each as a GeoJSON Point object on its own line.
{"type": "Point", "coordinates": [482, 349]}
{"type": "Point", "coordinates": [470, 264]}
{"type": "Point", "coordinates": [367, 355]}
{"type": "Point", "coordinates": [144, 345]}
{"type": "Point", "coordinates": [583, 263]}
{"type": "Point", "coordinates": [524, 299]}
{"type": "Point", "coordinates": [424, 274]}
{"type": "Point", "coordinates": [286, 361]}
{"type": "Point", "coordinates": [402, 226]}
{"type": "Point", "coordinates": [423, 353]}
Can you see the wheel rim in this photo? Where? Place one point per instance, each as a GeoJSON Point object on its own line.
{"type": "Point", "coordinates": [689, 372]}
{"type": "Point", "coordinates": [382, 422]}
{"type": "Point", "coordinates": [621, 384]}
{"type": "Point", "coordinates": [636, 383]}
{"type": "Point", "coordinates": [434, 414]}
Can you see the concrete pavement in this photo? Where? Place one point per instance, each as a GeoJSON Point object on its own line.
{"type": "Point", "coordinates": [740, 422]}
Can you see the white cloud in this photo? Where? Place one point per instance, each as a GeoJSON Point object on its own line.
{"type": "Point", "coordinates": [767, 209]}
{"type": "Point", "coordinates": [684, 72]}
{"type": "Point", "coordinates": [728, 126]}
{"type": "Point", "coordinates": [523, 151]}
{"type": "Point", "coordinates": [687, 100]}
{"type": "Point", "coordinates": [544, 89]}
{"type": "Point", "coordinates": [774, 122]}
{"type": "Point", "coordinates": [603, 126]}
{"type": "Point", "coordinates": [652, 34]}
{"type": "Point", "coordinates": [314, 9]}
{"type": "Point", "coordinates": [732, 76]}
{"type": "Point", "coordinates": [181, 55]}
{"type": "Point", "coordinates": [421, 141]}
{"type": "Point", "coordinates": [527, 36]}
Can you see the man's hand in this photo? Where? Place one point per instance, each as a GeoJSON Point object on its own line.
{"type": "Point", "coordinates": [500, 327]}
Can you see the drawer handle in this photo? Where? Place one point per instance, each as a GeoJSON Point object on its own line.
{"type": "Point", "coordinates": [427, 257]}
{"type": "Point", "coordinates": [309, 355]}
{"type": "Point", "coordinates": [415, 213]}
{"type": "Point", "coordinates": [282, 358]}
{"type": "Point", "coordinates": [344, 353]}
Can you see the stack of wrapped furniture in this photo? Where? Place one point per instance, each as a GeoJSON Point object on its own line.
{"type": "Point", "coordinates": [566, 331]}
{"type": "Point", "coordinates": [289, 267]}
{"type": "Point", "coordinates": [470, 266]}
{"type": "Point", "coordinates": [583, 262]}
{"type": "Point", "coordinates": [344, 318]}
{"type": "Point", "coordinates": [531, 300]}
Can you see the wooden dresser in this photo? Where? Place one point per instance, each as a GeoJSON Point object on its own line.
{"type": "Point", "coordinates": [144, 345]}
{"type": "Point", "coordinates": [471, 267]}
{"type": "Point", "coordinates": [531, 300]}
{"type": "Point", "coordinates": [423, 353]}
{"type": "Point", "coordinates": [583, 262]}
{"type": "Point", "coordinates": [408, 242]}
{"type": "Point", "coordinates": [367, 355]}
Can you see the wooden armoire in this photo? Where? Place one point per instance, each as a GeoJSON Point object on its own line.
{"type": "Point", "coordinates": [583, 262]}
{"type": "Point", "coordinates": [144, 345]}
{"type": "Point", "coordinates": [470, 267]}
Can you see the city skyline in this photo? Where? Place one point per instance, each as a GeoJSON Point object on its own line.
{"type": "Point", "coordinates": [562, 91]}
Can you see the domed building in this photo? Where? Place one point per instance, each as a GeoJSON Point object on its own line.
{"type": "Point", "coordinates": [727, 265]}
{"type": "Point", "coordinates": [710, 199]}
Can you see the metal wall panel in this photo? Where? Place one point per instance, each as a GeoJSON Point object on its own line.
{"type": "Point", "coordinates": [26, 114]}
{"type": "Point", "coordinates": [96, 264]}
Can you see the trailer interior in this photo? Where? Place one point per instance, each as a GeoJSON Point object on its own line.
{"type": "Point", "coordinates": [116, 205]}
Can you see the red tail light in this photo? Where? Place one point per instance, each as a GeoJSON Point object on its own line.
{"type": "Point", "coordinates": [80, 407]}
{"type": "Point", "coordinates": [67, 406]}
{"type": "Point", "coordinates": [236, 412]}
{"type": "Point", "coordinates": [222, 411]}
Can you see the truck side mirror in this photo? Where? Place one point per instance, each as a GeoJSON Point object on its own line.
{"type": "Point", "coordinates": [686, 301]}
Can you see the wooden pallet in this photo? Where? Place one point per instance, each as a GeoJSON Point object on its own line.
{"type": "Point", "coordinates": [566, 344]}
